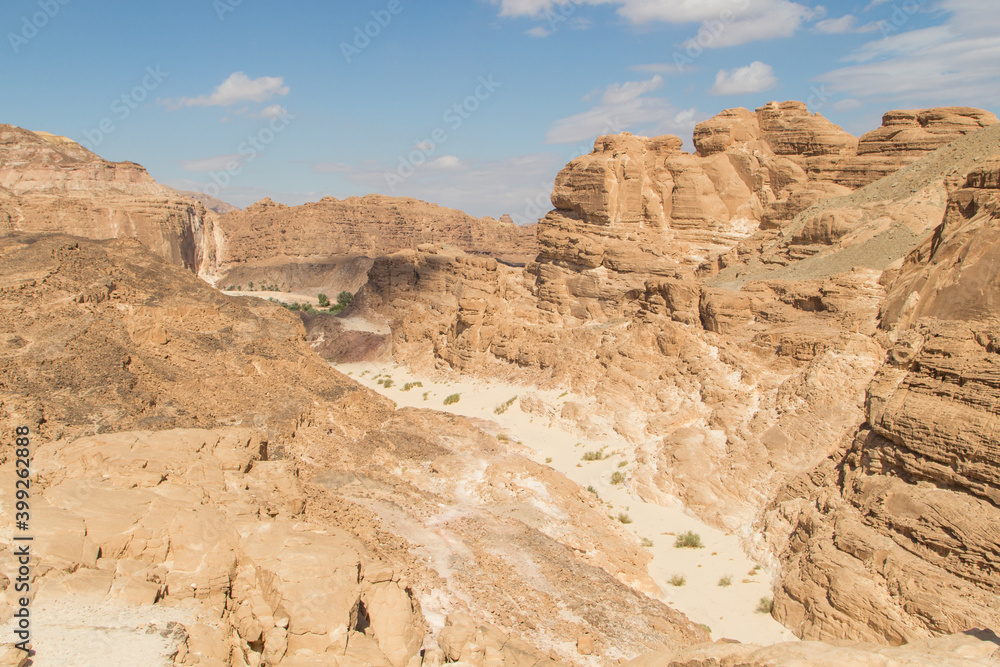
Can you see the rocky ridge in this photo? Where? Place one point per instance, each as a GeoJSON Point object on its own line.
{"type": "Point", "coordinates": [329, 244]}
{"type": "Point", "coordinates": [740, 368]}
{"type": "Point", "coordinates": [287, 514]}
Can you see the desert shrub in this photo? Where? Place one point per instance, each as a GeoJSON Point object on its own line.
{"type": "Point", "coordinates": [688, 540]}
{"type": "Point", "coordinates": [426, 394]}
{"type": "Point", "coordinates": [646, 542]}
{"type": "Point", "coordinates": [451, 400]}
{"type": "Point", "coordinates": [548, 459]}
{"type": "Point", "coordinates": [410, 385]}
{"type": "Point", "coordinates": [617, 478]}
{"type": "Point", "coordinates": [624, 518]}
{"type": "Point", "coordinates": [344, 299]}
{"type": "Point", "coordinates": [503, 407]}
{"type": "Point", "coordinates": [388, 383]}
{"type": "Point", "coordinates": [622, 464]}
{"type": "Point", "coordinates": [678, 580]}
{"type": "Point", "coordinates": [726, 581]}
{"type": "Point", "coordinates": [765, 606]}
{"type": "Point", "coordinates": [324, 300]}
{"type": "Point", "coordinates": [592, 489]}
{"type": "Point", "coordinates": [593, 456]}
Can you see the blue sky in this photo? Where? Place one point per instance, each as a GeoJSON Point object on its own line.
{"type": "Point", "coordinates": [474, 104]}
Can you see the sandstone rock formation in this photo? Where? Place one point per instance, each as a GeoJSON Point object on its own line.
{"type": "Point", "coordinates": [328, 245]}
{"type": "Point", "coordinates": [194, 454]}
{"type": "Point", "coordinates": [747, 364]}
{"type": "Point", "coordinates": [911, 516]}
{"type": "Point", "coordinates": [53, 184]}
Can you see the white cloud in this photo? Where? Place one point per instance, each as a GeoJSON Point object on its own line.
{"type": "Point", "coordinates": [271, 112]}
{"type": "Point", "coordinates": [754, 78]}
{"type": "Point", "coordinates": [624, 106]}
{"type": "Point", "coordinates": [952, 63]}
{"type": "Point", "coordinates": [237, 88]}
{"type": "Point", "coordinates": [724, 22]}
{"type": "Point", "coordinates": [844, 24]}
{"type": "Point", "coordinates": [538, 31]}
{"type": "Point", "coordinates": [216, 163]}
{"type": "Point", "coordinates": [445, 162]}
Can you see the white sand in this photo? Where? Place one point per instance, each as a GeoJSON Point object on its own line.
{"type": "Point", "coordinates": [729, 611]}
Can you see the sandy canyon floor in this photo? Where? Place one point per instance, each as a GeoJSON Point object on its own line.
{"type": "Point", "coordinates": [730, 611]}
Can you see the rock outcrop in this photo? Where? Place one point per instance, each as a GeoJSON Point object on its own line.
{"type": "Point", "coordinates": [195, 458]}
{"type": "Point", "coordinates": [746, 359]}
{"type": "Point", "coordinates": [329, 245]}
{"type": "Point", "coordinates": [50, 184]}
{"type": "Point", "coordinates": [911, 516]}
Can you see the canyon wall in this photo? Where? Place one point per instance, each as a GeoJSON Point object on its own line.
{"type": "Point", "coordinates": [730, 313]}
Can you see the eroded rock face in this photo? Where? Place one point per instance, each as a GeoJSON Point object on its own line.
{"type": "Point", "coordinates": [329, 245]}
{"type": "Point", "coordinates": [193, 453]}
{"type": "Point", "coordinates": [902, 543]}
{"type": "Point", "coordinates": [50, 184]}
{"type": "Point", "coordinates": [751, 374]}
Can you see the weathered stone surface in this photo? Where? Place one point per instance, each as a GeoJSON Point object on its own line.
{"type": "Point", "coordinates": [327, 246]}
{"type": "Point", "coordinates": [52, 184]}
{"type": "Point", "coordinates": [277, 501]}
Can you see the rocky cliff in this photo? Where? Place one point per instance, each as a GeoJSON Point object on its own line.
{"type": "Point", "coordinates": [329, 244]}
{"type": "Point", "coordinates": [197, 461]}
{"type": "Point", "coordinates": [730, 312]}
{"type": "Point", "coordinates": [909, 512]}
{"type": "Point", "coordinates": [53, 184]}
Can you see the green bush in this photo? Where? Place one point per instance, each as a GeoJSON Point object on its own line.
{"type": "Point", "coordinates": [678, 580]}
{"type": "Point", "coordinates": [410, 385]}
{"type": "Point", "coordinates": [503, 407]}
{"type": "Point", "coordinates": [646, 542]}
{"type": "Point", "coordinates": [688, 540]}
{"type": "Point", "coordinates": [426, 394]}
{"type": "Point", "coordinates": [592, 489]}
{"type": "Point", "coordinates": [593, 456]}
{"type": "Point", "coordinates": [624, 518]}
{"type": "Point", "coordinates": [617, 478]}
{"type": "Point", "coordinates": [451, 400]}
{"type": "Point", "coordinates": [726, 581]}
{"type": "Point", "coordinates": [324, 301]}
{"type": "Point", "coordinates": [548, 459]}
{"type": "Point", "coordinates": [344, 299]}
{"type": "Point", "coordinates": [388, 383]}
{"type": "Point", "coordinates": [765, 606]}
